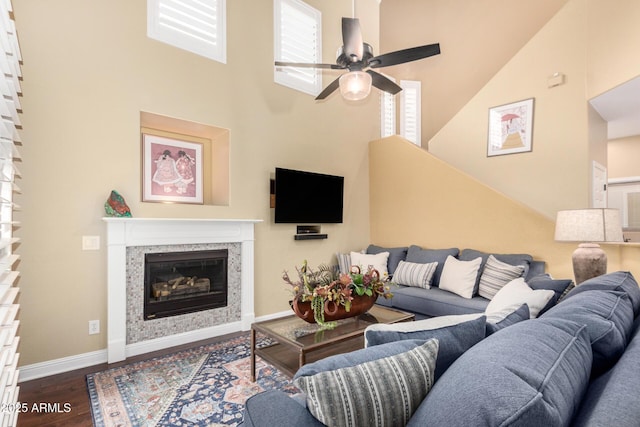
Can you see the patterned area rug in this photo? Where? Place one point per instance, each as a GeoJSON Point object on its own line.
{"type": "Point", "coordinates": [203, 386]}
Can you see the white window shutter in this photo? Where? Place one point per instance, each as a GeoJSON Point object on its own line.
{"type": "Point", "coordinates": [9, 141]}
{"type": "Point", "coordinates": [198, 26]}
{"type": "Point", "coordinates": [298, 38]}
{"type": "Point", "coordinates": [410, 111]}
{"type": "Point", "coordinates": [387, 113]}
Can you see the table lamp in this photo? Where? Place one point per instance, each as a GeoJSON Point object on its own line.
{"type": "Point", "coordinates": [588, 226]}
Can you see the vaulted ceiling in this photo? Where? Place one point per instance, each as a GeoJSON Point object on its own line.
{"type": "Point", "coordinates": [477, 39]}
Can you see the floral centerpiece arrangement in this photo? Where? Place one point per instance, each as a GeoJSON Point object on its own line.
{"type": "Point", "coordinates": [328, 291]}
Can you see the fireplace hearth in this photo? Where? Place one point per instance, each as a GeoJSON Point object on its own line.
{"type": "Point", "coordinates": [184, 282]}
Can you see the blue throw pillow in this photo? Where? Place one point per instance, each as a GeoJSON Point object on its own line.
{"type": "Point", "coordinates": [522, 313]}
{"type": "Point", "coordinates": [558, 286]}
{"type": "Point", "coordinates": [422, 256]}
{"type": "Point", "coordinates": [456, 334]}
{"type": "Point", "coordinates": [533, 373]}
{"type": "Point", "coordinates": [608, 316]}
{"type": "Point", "coordinates": [395, 255]}
{"type": "Point", "coordinates": [622, 281]}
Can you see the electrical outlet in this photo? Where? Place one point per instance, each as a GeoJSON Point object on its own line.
{"type": "Point", "coordinates": [94, 327]}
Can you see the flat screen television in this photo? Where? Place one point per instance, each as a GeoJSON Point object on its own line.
{"type": "Point", "coordinates": [307, 197]}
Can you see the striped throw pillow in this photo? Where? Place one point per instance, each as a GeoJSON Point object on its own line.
{"type": "Point", "coordinates": [344, 262]}
{"type": "Point", "coordinates": [414, 274]}
{"type": "Point", "coordinates": [495, 275]}
{"type": "Point", "coordinates": [382, 392]}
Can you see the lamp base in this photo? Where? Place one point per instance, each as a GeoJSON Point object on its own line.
{"type": "Point", "coordinates": [589, 260]}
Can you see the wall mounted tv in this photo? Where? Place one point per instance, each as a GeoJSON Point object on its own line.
{"type": "Point", "coordinates": [308, 197]}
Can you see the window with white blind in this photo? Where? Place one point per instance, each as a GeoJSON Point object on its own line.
{"type": "Point", "coordinates": [9, 155]}
{"type": "Point", "coordinates": [387, 113]}
{"type": "Point", "coordinates": [410, 111]}
{"type": "Point", "coordinates": [298, 38]}
{"type": "Point", "coordinates": [198, 26]}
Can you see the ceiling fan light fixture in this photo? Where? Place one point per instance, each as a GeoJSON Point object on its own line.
{"type": "Point", "coordinates": [355, 85]}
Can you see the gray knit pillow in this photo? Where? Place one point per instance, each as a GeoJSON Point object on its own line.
{"type": "Point", "coordinates": [495, 275]}
{"type": "Point", "coordinates": [382, 392]}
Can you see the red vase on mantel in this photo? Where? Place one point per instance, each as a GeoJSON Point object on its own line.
{"type": "Point", "coordinates": [333, 311]}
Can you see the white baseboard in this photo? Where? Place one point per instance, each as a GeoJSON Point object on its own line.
{"type": "Point", "coordinates": [59, 366]}
{"type": "Point", "coordinates": [84, 360]}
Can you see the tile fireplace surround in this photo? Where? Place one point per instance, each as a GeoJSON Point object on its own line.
{"type": "Point", "coordinates": [123, 233]}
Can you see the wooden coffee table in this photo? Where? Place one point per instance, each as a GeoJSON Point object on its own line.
{"type": "Point", "coordinates": [298, 342]}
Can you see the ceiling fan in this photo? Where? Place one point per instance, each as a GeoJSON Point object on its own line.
{"type": "Point", "coordinates": [356, 56]}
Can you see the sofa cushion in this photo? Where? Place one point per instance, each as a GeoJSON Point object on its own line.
{"type": "Point", "coordinates": [495, 275]}
{"type": "Point", "coordinates": [382, 392]}
{"type": "Point", "coordinates": [435, 302]}
{"type": "Point", "coordinates": [501, 320]}
{"type": "Point", "coordinates": [276, 408]}
{"type": "Point", "coordinates": [455, 335]}
{"type": "Point", "coordinates": [516, 293]}
{"type": "Point", "coordinates": [608, 316]}
{"type": "Point", "coordinates": [356, 357]}
{"type": "Point", "coordinates": [533, 373]}
{"type": "Point", "coordinates": [414, 274]}
{"type": "Point", "coordinates": [513, 259]}
{"type": "Point", "coordinates": [376, 261]}
{"type": "Point", "coordinates": [395, 255]}
{"type": "Point", "coordinates": [459, 277]}
{"type": "Point", "coordinates": [419, 255]}
{"type": "Point", "coordinates": [622, 281]}
{"type": "Point", "coordinates": [612, 398]}
{"type": "Point", "coordinates": [558, 286]}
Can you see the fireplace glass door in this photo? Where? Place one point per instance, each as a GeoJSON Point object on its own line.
{"type": "Point", "coordinates": [184, 282]}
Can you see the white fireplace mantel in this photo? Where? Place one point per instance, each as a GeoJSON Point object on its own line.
{"type": "Point", "coordinates": [126, 232]}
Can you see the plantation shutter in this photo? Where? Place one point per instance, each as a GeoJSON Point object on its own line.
{"type": "Point", "coordinates": [387, 114]}
{"type": "Point", "coordinates": [198, 26]}
{"type": "Point", "coordinates": [410, 111]}
{"type": "Point", "coordinates": [9, 141]}
{"type": "Point", "coordinates": [298, 38]}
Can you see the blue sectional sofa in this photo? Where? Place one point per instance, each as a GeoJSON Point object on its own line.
{"type": "Point", "coordinates": [434, 301]}
{"type": "Point", "coordinates": [578, 364]}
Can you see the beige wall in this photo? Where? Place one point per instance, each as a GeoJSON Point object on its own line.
{"type": "Point", "coordinates": [624, 157]}
{"type": "Point", "coordinates": [567, 136]}
{"type": "Point", "coordinates": [555, 174]}
{"type": "Point", "coordinates": [613, 42]}
{"type": "Point", "coordinates": [477, 39]}
{"type": "Point", "coordinates": [417, 198]}
{"type": "Point", "coordinates": [89, 70]}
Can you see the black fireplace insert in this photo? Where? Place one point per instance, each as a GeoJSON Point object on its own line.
{"type": "Point", "coordinates": [184, 282]}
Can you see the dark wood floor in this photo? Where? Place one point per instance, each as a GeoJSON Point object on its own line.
{"type": "Point", "coordinates": [71, 388]}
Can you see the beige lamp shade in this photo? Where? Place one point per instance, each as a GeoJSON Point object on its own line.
{"type": "Point", "coordinates": [589, 225]}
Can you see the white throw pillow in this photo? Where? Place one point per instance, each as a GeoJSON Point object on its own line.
{"type": "Point", "coordinates": [377, 261]}
{"type": "Point", "coordinates": [513, 295]}
{"type": "Point", "coordinates": [459, 277]}
{"type": "Point", "coordinates": [414, 274]}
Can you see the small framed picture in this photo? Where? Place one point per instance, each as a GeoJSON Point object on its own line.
{"type": "Point", "coordinates": [510, 128]}
{"type": "Point", "coordinates": [171, 170]}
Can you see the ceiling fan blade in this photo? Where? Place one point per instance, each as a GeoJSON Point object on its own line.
{"type": "Point", "coordinates": [306, 65]}
{"type": "Point", "coordinates": [405, 55]}
{"type": "Point", "coordinates": [329, 89]}
{"type": "Point", "coordinates": [352, 39]}
{"type": "Point", "coordinates": [383, 83]}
